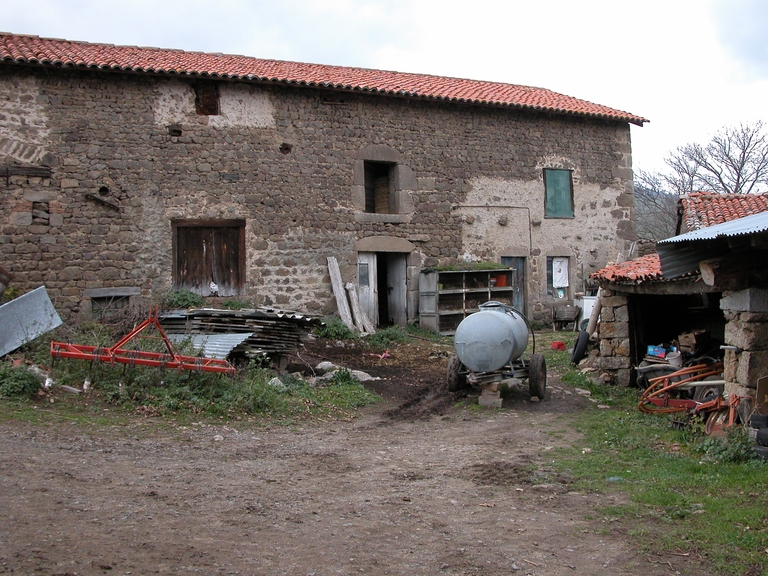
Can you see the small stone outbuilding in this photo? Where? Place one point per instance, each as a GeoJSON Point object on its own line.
{"type": "Point", "coordinates": [710, 280]}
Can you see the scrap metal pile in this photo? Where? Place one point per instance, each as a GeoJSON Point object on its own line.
{"type": "Point", "coordinates": [262, 331]}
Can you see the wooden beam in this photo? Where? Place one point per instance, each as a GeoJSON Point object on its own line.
{"type": "Point", "coordinates": [729, 272]}
{"type": "Point", "coordinates": [361, 318]}
{"type": "Point", "coordinates": [339, 293]}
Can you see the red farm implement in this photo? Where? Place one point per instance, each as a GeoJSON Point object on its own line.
{"type": "Point", "coordinates": [692, 390]}
{"type": "Point", "coordinates": [120, 354]}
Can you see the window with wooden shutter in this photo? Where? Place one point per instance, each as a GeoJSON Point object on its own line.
{"type": "Point", "coordinates": [209, 256]}
{"type": "Point", "coordinates": [558, 188]}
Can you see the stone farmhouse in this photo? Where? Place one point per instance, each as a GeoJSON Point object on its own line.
{"type": "Point", "coordinates": [130, 172]}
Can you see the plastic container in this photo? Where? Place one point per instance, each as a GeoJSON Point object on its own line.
{"type": "Point", "coordinates": [675, 359]}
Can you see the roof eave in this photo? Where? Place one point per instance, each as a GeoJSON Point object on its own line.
{"type": "Point", "coordinates": [45, 63]}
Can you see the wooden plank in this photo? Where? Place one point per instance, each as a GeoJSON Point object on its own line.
{"type": "Point", "coordinates": [361, 318]}
{"type": "Point", "coordinates": [339, 293]}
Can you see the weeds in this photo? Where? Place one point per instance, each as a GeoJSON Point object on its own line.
{"type": "Point", "coordinates": [384, 338]}
{"type": "Point", "coordinates": [182, 299]}
{"type": "Point", "coordinates": [334, 329]}
{"type": "Point", "coordinates": [17, 382]}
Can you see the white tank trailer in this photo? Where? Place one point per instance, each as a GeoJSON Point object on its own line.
{"type": "Point", "coordinates": [489, 347]}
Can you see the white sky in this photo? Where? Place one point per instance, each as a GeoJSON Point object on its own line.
{"type": "Point", "coordinates": [690, 66]}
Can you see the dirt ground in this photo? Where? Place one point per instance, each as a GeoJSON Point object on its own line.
{"type": "Point", "coordinates": [413, 485]}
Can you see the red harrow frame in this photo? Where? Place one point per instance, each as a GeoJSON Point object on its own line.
{"type": "Point", "coordinates": [118, 354]}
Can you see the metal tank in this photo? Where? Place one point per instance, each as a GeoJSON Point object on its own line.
{"type": "Point", "coordinates": [489, 347]}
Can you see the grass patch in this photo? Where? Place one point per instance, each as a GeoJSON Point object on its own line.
{"type": "Point", "coordinates": [703, 494]}
{"type": "Point", "coordinates": [558, 361]}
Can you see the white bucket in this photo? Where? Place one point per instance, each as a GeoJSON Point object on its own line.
{"type": "Point", "coordinates": [675, 358]}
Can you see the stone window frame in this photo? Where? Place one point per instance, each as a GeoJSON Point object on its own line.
{"type": "Point", "coordinates": [402, 182]}
{"type": "Point", "coordinates": [107, 302]}
{"type": "Point", "coordinates": [549, 192]}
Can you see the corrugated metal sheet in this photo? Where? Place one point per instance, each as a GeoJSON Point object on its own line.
{"type": "Point", "coordinates": [681, 259]}
{"type": "Point", "coordinates": [272, 331]}
{"type": "Point", "coordinates": [25, 318]}
{"type": "Point", "coordinates": [212, 345]}
{"type": "Point", "coordinates": [754, 224]}
{"type": "Point", "coordinates": [681, 254]}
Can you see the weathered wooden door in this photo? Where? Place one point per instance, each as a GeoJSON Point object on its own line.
{"type": "Point", "coordinates": [366, 285]}
{"type": "Point", "coordinates": [381, 281]}
{"type": "Point", "coordinates": [517, 264]}
{"type": "Point", "coordinates": [396, 289]}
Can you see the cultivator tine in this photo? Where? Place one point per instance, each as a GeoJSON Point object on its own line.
{"type": "Point", "coordinates": [116, 354]}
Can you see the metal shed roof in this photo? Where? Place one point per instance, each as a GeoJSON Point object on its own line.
{"type": "Point", "coordinates": [681, 254]}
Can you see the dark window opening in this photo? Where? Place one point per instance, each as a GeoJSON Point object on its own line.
{"type": "Point", "coordinates": [558, 187]}
{"type": "Point", "coordinates": [378, 187]}
{"type": "Point", "coordinates": [209, 256]}
{"type": "Point", "coordinates": [207, 99]}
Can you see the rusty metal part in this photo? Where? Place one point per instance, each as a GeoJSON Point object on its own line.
{"type": "Point", "coordinates": [659, 397]}
{"type": "Point", "coordinates": [118, 354]}
{"type": "Point", "coordinates": [719, 413]}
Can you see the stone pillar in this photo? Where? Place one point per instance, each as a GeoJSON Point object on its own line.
{"type": "Point", "coordinates": [746, 314]}
{"type": "Point", "coordinates": [613, 332]}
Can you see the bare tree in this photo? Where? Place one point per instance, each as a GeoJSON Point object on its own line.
{"type": "Point", "coordinates": [735, 161]}
{"type": "Point", "coordinates": [655, 207]}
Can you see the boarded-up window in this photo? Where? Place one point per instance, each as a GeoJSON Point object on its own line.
{"type": "Point", "coordinates": [378, 185]}
{"type": "Point", "coordinates": [209, 256]}
{"type": "Point", "coordinates": [558, 188]}
{"type": "Point", "coordinates": [206, 99]}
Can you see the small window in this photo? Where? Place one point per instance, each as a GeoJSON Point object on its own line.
{"type": "Point", "coordinates": [107, 306]}
{"type": "Point", "coordinates": [558, 186]}
{"type": "Point", "coordinates": [557, 277]}
{"type": "Point", "coordinates": [209, 256]}
{"type": "Point", "coordinates": [206, 99]}
{"type": "Point", "coordinates": [378, 187]}
{"type": "Point", "coordinates": [363, 276]}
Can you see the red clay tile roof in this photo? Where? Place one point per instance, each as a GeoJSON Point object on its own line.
{"type": "Point", "coordinates": [632, 271]}
{"type": "Point", "coordinates": [23, 49]}
{"type": "Point", "coordinates": [704, 209]}
{"type": "Point", "coordinates": [700, 210]}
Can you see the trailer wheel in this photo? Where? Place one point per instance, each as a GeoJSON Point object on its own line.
{"type": "Point", "coordinates": [707, 393]}
{"type": "Point", "coordinates": [456, 379]}
{"type": "Point", "coordinates": [537, 376]}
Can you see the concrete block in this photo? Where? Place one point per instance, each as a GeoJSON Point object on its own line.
{"type": "Point", "coordinates": [749, 300]}
{"type": "Point", "coordinates": [489, 401]}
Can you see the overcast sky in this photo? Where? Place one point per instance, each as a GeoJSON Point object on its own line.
{"type": "Point", "coordinates": [690, 66]}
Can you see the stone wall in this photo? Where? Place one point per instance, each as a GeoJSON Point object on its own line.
{"type": "Point", "coordinates": [128, 154]}
{"type": "Point", "coordinates": [614, 362]}
{"type": "Point", "coordinates": [746, 333]}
